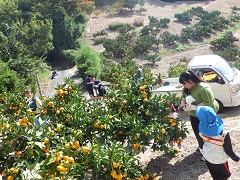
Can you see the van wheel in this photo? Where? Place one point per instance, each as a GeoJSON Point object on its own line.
{"type": "Point", "coordinates": [221, 107]}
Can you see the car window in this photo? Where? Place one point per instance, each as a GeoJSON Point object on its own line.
{"type": "Point", "coordinates": [208, 75]}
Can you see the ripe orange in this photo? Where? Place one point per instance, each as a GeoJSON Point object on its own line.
{"type": "Point", "coordinates": [15, 171]}
{"type": "Point", "coordinates": [124, 102]}
{"type": "Point", "coordinates": [10, 177]}
{"type": "Point", "coordinates": [61, 109]}
{"type": "Point", "coordinates": [173, 124]}
{"type": "Point", "coordinates": [163, 131]}
{"type": "Point", "coordinates": [18, 153]}
{"type": "Point", "coordinates": [67, 146]}
{"type": "Point", "coordinates": [50, 104]}
{"type": "Point", "coordinates": [76, 143]}
{"type": "Point", "coordinates": [61, 168]}
{"type": "Point", "coordinates": [115, 165]}
{"type": "Point", "coordinates": [46, 140]}
{"type": "Point", "coordinates": [58, 111]}
{"type": "Point", "coordinates": [85, 149]}
{"type": "Point", "coordinates": [44, 111]}
{"type": "Point", "coordinates": [95, 124]}
{"type": "Point", "coordinates": [74, 146]}
{"type": "Point", "coordinates": [24, 125]}
{"type": "Point", "coordinates": [145, 100]}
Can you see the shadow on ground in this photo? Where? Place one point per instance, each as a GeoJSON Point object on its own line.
{"type": "Point", "coordinates": [189, 168]}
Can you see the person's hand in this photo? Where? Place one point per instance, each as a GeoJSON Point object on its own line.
{"type": "Point", "coordinates": [189, 108]}
{"type": "Point", "coordinates": [181, 107]}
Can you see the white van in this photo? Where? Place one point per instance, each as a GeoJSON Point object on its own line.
{"type": "Point", "coordinates": [222, 76]}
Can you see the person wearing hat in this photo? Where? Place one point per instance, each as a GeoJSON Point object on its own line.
{"type": "Point", "coordinates": [217, 143]}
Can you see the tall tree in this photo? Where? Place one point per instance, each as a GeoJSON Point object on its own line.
{"type": "Point", "coordinates": [68, 22]}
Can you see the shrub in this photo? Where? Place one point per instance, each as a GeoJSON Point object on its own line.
{"type": "Point", "coordinates": [139, 21]}
{"type": "Point", "coordinates": [100, 33]}
{"type": "Point", "coordinates": [100, 39]}
{"type": "Point", "coordinates": [88, 62]}
{"type": "Point", "coordinates": [126, 28]}
{"type": "Point", "coordinates": [8, 78]}
{"type": "Point", "coordinates": [115, 25]}
{"type": "Point", "coordinates": [176, 70]}
{"type": "Point", "coordinates": [69, 55]}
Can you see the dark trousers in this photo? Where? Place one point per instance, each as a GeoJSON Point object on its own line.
{"type": "Point", "coordinates": [90, 92]}
{"type": "Point", "coordinates": [195, 122]}
{"type": "Point", "coordinates": [219, 171]}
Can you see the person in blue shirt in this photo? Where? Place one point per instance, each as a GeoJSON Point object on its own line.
{"type": "Point", "coordinates": [89, 86]}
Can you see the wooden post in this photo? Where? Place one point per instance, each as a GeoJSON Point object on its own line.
{"type": "Point", "coordinates": [39, 88]}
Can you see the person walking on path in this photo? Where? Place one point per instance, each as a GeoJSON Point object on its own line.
{"type": "Point", "coordinates": [89, 85]}
{"type": "Point", "coordinates": [195, 93]}
{"type": "Point", "coordinates": [217, 143]}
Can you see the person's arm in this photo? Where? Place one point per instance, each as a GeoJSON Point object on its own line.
{"type": "Point", "coordinates": [89, 81]}
{"type": "Point", "coordinates": [183, 100]}
{"type": "Point", "coordinates": [228, 148]}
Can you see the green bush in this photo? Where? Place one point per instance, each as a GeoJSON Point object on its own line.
{"type": "Point", "coordinates": [115, 25]}
{"type": "Point", "coordinates": [100, 39]}
{"type": "Point", "coordinates": [100, 33]}
{"type": "Point", "coordinates": [176, 70]}
{"type": "Point", "coordinates": [88, 62]}
{"type": "Point", "coordinates": [69, 55]}
{"type": "Point", "coordinates": [8, 78]}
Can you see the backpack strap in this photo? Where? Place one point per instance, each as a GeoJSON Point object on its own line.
{"type": "Point", "coordinates": [218, 142]}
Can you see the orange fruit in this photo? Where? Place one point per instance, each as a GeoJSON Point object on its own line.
{"type": "Point", "coordinates": [10, 177]}
{"type": "Point", "coordinates": [46, 140]}
{"type": "Point", "coordinates": [61, 168]}
{"type": "Point", "coordinates": [163, 131]}
{"type": "Point", "coordinates": [61, 109]}
{"type": "Point", "coordinates": [67, 146]}
{"type": "Point", "coordinates": [95, 124]}
{"type": "Point", "coordinates": [58, 111]}
{"type": "Point", "coordinates": [145, 86]}
{"type": "Point", "coordinates": [113, 173]}
{"type": "Point", "coordinates": [74, 146]}
{"type": "Point", "coordinates": [60, 92]}
{"type": "Point", "coordinates": [145, 100]}
{"type": "Point", "coordinates": [85, 149]}
{"type": "Point", "coordinates": [70, 88]}
{"type": "Point", "coordinates": [173, 123]}
{"type": "Point", "coordinates": [50, 104]}
{"type": "Point", "coordinates": [18, 153]}
{"type": "Point", "coordinates": [76, 143]}
{"type": "Point", "coordinates": [24, 125]}
{"type": "Point", "coordinates": [44, 111]}
{"type": "Point", "coordinates": [124, 102]}
{"type": "Point", "coordinates": [16, 171]}
{"type": "Point", "coordinates": [115, 165]}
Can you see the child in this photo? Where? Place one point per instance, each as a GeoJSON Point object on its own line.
{"type": "Point", "coordinates": [217, 143]}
